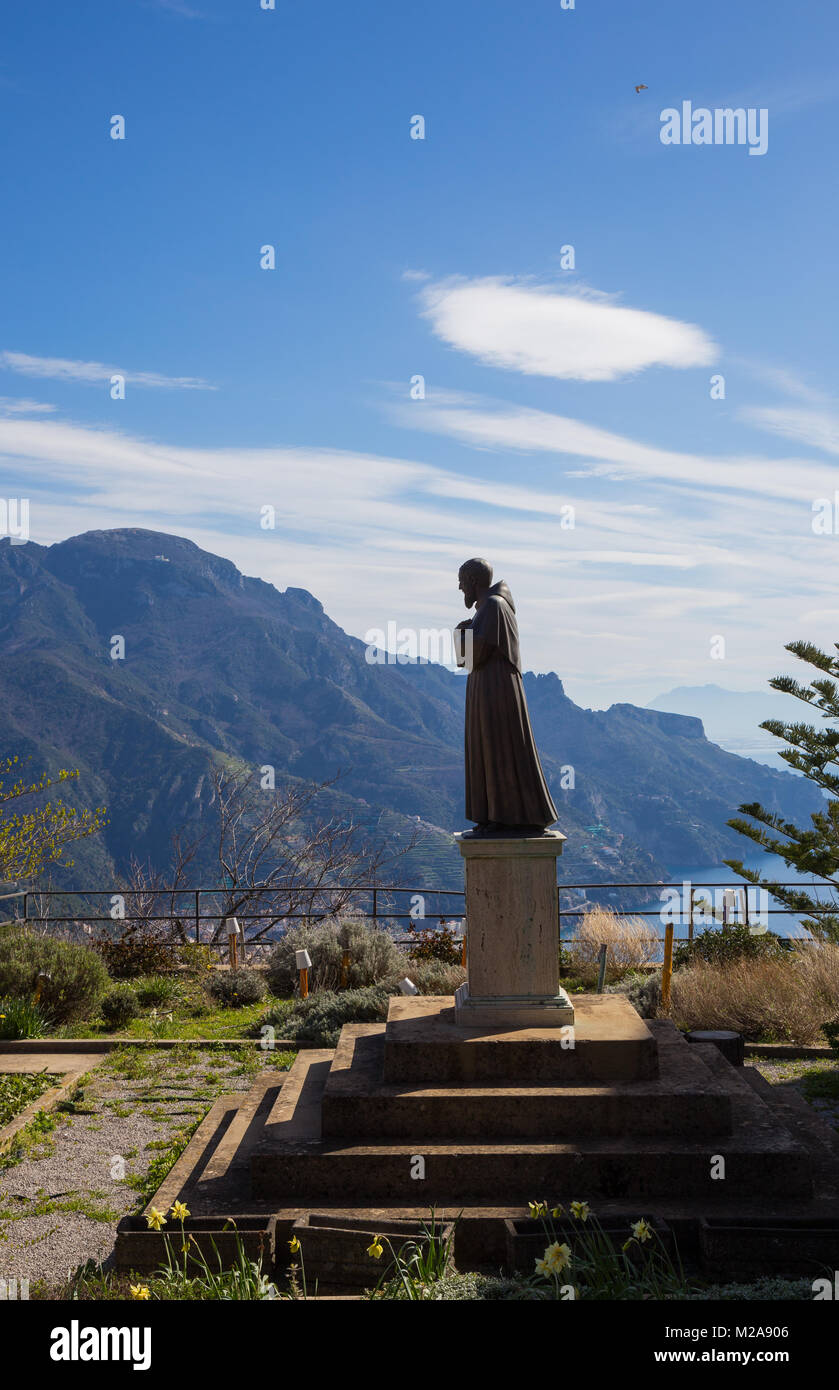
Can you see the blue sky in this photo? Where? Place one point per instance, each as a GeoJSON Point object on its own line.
{"type": "Point", "coordinates": [546, 386]}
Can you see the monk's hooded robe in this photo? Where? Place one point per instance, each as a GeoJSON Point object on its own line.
{"type": "Point", "coordinates": [504, 779]}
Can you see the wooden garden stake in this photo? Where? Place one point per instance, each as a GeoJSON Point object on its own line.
{"type": "Point", "coordinates": [601, 969]}
{"type": "Point", "coordinates": [667, 968]}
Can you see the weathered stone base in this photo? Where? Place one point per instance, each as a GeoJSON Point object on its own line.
{"type": "Point", "coordinates": [608, 1042]}
{"type": "Point", "coordinates": [684, 1101]}
{"type": "Point", "coordinates": [509, 1011]}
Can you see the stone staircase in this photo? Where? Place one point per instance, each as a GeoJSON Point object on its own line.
{"type": "Point", "coordinates": [418, 1114]}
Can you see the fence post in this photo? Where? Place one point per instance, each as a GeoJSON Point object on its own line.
{"type": "Point", "coordinates": [25, 907]}
{"type": "Point", "coordinates": [690, 914]}
{"type": "Point", "coordinates": [601, 968]}
{"type": "Point", "coordinates": [375, 914]}
{"type": "Point", "coordinates": [667, 968]}
{"type": "Point", "coordinates": [197, 916]}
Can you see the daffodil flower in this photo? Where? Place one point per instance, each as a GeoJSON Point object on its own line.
{"type": "Point", "coordinates": [180, 1211]}
{"type": "Point", "coordinates": [294, 1245]}
{"type": "Point", "coordinates": [155, 1219]}
{"type": "Point", "coordinates": [581, 1210]}
{"type": "Point", "coordinates": [641, 1230]}
{"type": "Point", "coordinates": [537, 1209]}
{"type": "Point", "coordinates": [557, 1257]}
{"type": "Point", "coordinates": [140, 1291]}
{"type": "Point", "coordinates": [376, 1250]}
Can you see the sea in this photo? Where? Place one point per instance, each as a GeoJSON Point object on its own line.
{"type": "Point", "coordinates": [765, 908]}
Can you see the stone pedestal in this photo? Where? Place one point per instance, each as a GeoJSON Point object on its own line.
{"type": "Point", "coordinates": [512, 934]}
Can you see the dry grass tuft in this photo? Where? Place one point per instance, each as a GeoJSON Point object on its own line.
{"type": "Point", "coordinates": [631, 942]}
{"type": "Point", "coordinates": [783, 1000]}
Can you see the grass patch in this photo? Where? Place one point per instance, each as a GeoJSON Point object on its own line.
{"type": "Point", "coordinates": [19, 1089]}
{"type": "Point", "coordinates": [200, 1281]}
{"type": "Point", "coordinates": [33, 1141]}
{"type": "Point", "coordinates": [192, 1020]}
{"type": "Point", "coordinates": [146, 1184]}
{"type": "Point", "coordinates": [84, 1203]}
{"type": "Point", "coordinates": [822, 1083]}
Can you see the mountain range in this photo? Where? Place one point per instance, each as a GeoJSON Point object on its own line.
{"type": "Point", "coordinates": [732, 718]}
{"type": "Point", "coordinates": [220, 666]}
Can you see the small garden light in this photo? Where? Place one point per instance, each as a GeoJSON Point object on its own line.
{"type": "Point", "coordinates": [303, 961]}
{"type": "Point", "coordinates": [407, 986]}
{"type": "Point", "coordinates": [234, 931]}
{"type": "Point", "coordinates": [42, 976]}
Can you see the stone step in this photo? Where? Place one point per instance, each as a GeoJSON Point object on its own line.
{"type": "Point", "coordinates": [203, 1180]}
{"type": "Point", "coordinates": [293, 1162]}
{"type": "Point", "coordinates": [608, 1042]}
{"type": "Point", "coordinates": [685, 1101]}
{"type": "Point", "coordinates": [231, 1154]}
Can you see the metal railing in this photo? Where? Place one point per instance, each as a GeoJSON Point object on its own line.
{"type": "Point", "coordinates": [381, 905]}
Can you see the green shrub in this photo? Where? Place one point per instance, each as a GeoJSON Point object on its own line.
{"type": "Point", "coordinates": [487, 1286]}
{"type": "Point", "coordinates": [120, 1006]}
{"type": "Point", "coordinates": [435, 977]}
{"type": "Point", "coordinates": [235, 988]}
{"type": "Point", "coordinates": [154, 990]}
{"type": "Point", "coordinates": [320, 1017]}
{"type": "Point", "coordinates": [441, 945]}
{"type": "Point", "coordinates": [20, 1018]}
{"type": "Point", "coordinates": [373, 956]}
{"type": "Point", "coordinates": [136, 952]}
{"type": "Point", "coordinates": [721, 945]}
{"type": "Point", "coordinates": [831, 1032]}
{"type": "Point", "coordinates": [197, 956]}
{"type": "Point", "coordinates": [77, 977]}
{"type": "Point", "coordinates": [456, 1287]}
{"type": "Point", "coordinates": [642, 991]}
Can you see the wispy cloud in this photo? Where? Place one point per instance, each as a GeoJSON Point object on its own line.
{"type": "Point", "coordinates": [489, 425]}
{"type": "Point", "coordinates": [9, 405]}
{"type": "Point", "coordinates": [544, 331]}
{"type": "Point", "coordinates": [819, 429]}
{"type": "Point", "coordinates": [379, 538]}
{"type": "Point", "coordinates": [178, 7]}
{"type": "Point", "coordinates": [65, 369]}
{"type": "Point", "coordinates": [782, 379]}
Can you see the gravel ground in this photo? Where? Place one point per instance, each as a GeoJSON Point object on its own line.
{"type": "Point", "coordinates": [59, 1206]}
{"type": "Point", "coordinates": [809, 1078]}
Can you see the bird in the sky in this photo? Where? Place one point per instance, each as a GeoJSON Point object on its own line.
{"type": "Point", "coordinates": [642, 87]}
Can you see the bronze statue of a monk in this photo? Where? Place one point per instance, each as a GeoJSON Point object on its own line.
{"type": "Point", "coordinates": [506, 793]}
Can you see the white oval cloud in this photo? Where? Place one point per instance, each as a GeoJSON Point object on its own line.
{"type": "Point", "coordinates": [549, 332]}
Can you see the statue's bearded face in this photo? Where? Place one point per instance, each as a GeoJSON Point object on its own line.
{"type": "Point", "coordinates": [468, 587]}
